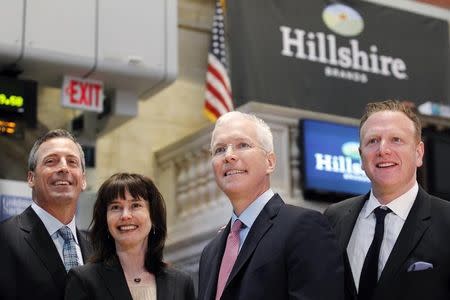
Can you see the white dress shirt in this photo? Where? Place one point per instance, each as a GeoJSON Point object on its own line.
{"type": "Point", "coordinates": [364, 230]}
{"type": "Point", "coordinates": [53, 225]}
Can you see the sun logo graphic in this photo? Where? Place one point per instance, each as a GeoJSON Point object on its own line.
{"type": "Point", "coordinates": [351, 149]}
{"type": "Point", "coordinates": [343, 20]}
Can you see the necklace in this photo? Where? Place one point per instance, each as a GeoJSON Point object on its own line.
{"type": "Point", "coordinates": [137, 279]}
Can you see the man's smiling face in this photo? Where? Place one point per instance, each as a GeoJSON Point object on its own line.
{"type": "Point", "coordinates": [390, 152]}
{"type": "Point", "coordinates": [58, 178]}
{"type": "Point", "coordinates": [241, 166]}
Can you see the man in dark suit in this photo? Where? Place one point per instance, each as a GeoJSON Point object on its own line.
{"type": "Point", "coordinates": [35, 253]}
{"type": "Point", "coordinates": [268, 250]}
{"type": "Point", "coordinates": [407, 226]}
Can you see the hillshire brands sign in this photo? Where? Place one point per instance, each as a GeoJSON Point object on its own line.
{"type": "Point", "coordinates": [320, 47]}
{"type": "Point", "coordinates": [333, 57]}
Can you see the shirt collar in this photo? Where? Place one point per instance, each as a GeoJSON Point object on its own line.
{"type": "Point", "coordinates": [51, 223]}
{"type": "Point", "coordinates": [400, 206]}
{"type": "Point", "coordinates": [249, 215]}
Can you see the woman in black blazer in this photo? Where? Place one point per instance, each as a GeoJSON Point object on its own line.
{"type": "Point", "coordinates": [128, 235]}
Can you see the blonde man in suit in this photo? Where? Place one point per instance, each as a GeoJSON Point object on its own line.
{"type": "Point", "coordinates": [407, 226]}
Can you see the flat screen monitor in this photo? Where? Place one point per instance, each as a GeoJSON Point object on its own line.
{"type": "Point", "coordinates": [18, 100]}
{"type": "Point", "coordinates": [330, 164]}
{"type": "Point", "coordinates": [437, 162]}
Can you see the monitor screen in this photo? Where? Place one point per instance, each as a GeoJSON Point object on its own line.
{"type": "Point", "coordinates": [18, 100]}
{"type": "Point", "coordinates": [330, 161]}
{"type": "Point", "coordinates": [437, 162]}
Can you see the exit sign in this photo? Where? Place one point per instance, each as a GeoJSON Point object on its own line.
{"type": "Point", "coordinates": [82, 93]}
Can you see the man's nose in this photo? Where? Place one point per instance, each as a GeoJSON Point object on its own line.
{"type": "Point", "coordinates": [230, 153]}
{"type": "Point", "coordinates": [63, 166]}
{"type": "Point", "coordinates": [384, 147]}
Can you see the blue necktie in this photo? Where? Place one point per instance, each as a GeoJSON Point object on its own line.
{"type": "Point", "coordinates": [69, 249]}
{"type": "Point", "coordinates": [369, 273]}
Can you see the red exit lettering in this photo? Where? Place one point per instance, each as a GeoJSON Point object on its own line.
{"type": "Point", "coordinates": [84, 93]}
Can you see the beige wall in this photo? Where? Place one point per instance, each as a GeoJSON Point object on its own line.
{"type": "Point", "coordinates": [166, 117]}
{"type": "Point", "coordinates": [173, 113]}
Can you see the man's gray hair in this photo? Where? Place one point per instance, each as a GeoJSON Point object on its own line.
{"type": "Point", "coordinates": [263, 131]}
{"type": "Point", "coordinates": [53, 134]}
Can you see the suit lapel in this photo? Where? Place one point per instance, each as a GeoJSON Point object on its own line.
{"type": "Point", "coordinates": [41, 243]}
{"type": "Point", "coordinates": [344, 231]}
{"type": "Point", "coordinates": [85, 246]}
{"type": "Point", "coordinates": [164, 288]}
{"type": "Point", "coordinates": [259, 228]}
{"type": "Point", "coordinates": [345, 227]}
{"type": "Point", "coordinates": [217, 249]}
{"type": "Point", "coordinates": [417, 222]}
{"type": "Point", "coordinates": [115, 281]}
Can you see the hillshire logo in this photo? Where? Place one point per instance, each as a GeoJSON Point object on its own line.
{"type": "Point", "coordinates": [343, 20]}
{"type": "Point", "coordinates": [349, 164]}
{"type": "Point", "coordinates": [349, 63]}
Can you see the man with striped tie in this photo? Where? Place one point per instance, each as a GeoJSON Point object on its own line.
{"type": "Point", "coordinates": [39, 246]}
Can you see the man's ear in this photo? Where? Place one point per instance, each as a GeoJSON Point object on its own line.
{"type": "Point", "coordinates": [84, 183]}
{"type": "Point", "coordinates": [360, 155]}
{"type": "Point", "coordinates": [30, 179]}
{"type": "Point", "coordinates": [420, 151]}
{"type": "Point", "coordinates": [272, 161]}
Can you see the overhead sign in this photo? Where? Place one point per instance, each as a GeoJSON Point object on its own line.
{"type": "Point", "coordinates": [335, 57]}
{"type": "Point", "coordinates": [82, 93]}
{"type": "Point", "coordinates": [18, 100]}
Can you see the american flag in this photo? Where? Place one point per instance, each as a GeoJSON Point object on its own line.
{"type": "Point", "coordinates": [218, 98]}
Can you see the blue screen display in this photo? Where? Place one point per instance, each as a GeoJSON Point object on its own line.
{"type": "Point", "coordinates": [330, 158]}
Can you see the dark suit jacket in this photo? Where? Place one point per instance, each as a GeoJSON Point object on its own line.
{"type": "Point", "coordinates": [101, 281]}
{"type": "Point", "coordinates": [289, 253]}
{"type": "Point", "coordinates": [424, 237]}
{"type": "Point", "coordinates": [30, 266]}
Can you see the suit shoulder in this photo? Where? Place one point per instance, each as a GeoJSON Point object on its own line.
{"type": "Point", "coordinates": [297, 211]}
{"type": "Point", "coordinates": [342, 206]}
{"type": "Point", "coordinates": [301, 217]}
{"type": "Point", "coordinates": [9, 227]}
{"type": "Point", "coordinates": [172, 272]}
{"type": "Point", "coordinates": [440, 209]}
{"type": "Point", "coordinates": [440, 203]}
{"type": "Point", "coordinates": [87, 269]}
{"type": "Point", "coordinates": [9, 222]}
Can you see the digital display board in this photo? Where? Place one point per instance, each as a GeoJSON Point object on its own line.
{"type": "Point", "coordinates": [18, 100]}
{"type": "Point", "coordinates": [330, 162]}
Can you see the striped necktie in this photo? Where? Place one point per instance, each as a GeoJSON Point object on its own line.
{"type": "Point", "coordinates": [69, 249]}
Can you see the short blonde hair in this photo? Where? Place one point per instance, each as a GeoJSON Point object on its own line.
{"type": "Point", "coordinates": [264, 134]}
{"type": "Point", "coordinates": [392, 105]}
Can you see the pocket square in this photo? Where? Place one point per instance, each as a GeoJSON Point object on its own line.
{"type": "Point", "coordinates": [420, 266]}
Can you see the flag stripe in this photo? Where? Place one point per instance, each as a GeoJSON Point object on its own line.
{"type": "Point", "coordinates": [219, 91]}
{"type": "Point", "coordinates": [214, 77]}
{"type": "Point", "coordinates": [216, 102]}
{"type": "Point", "coordinates": [212, 94]}
{"type": "Point", "coordinates": [219, 70]}
{"type": "Point", "coordinates": [218, 97]}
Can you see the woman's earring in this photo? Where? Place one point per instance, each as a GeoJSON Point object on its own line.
{"type": "Point", "coordinates": [154, 231]}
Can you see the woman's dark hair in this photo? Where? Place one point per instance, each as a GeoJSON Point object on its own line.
{"type": "Point", "coordinates": [138, 186]}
